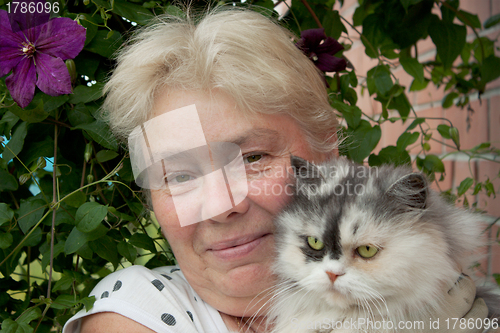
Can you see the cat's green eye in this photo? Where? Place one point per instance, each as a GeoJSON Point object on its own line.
{"type": "Point", "coordinates": [367, 251]}
{"type": "Point", "coordinates": [315, 243]}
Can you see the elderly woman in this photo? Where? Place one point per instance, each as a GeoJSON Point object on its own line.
{"type": "Point", "coordinates": [232, 77]}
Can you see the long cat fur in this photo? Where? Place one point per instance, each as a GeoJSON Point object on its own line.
{"type": "Point", "coordinates": [424, 244]}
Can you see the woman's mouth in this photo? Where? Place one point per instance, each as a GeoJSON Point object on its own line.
{"type": "Point", "coordinates": [237, 248]}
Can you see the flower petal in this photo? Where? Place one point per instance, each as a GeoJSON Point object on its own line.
{"type": "Point", "coordinates": [24, 21]}
{"type": "Point", "coordinates": [312, 37]}
{"type": "Point", "coordinates": [329, 63]}
{"type": "Point", "coordinates": [61, 37]}
{"type": "Point", "coordinates": [53, 76]}
{"type": "Point", "coordinates": [21, 83]}
{"type": "Point", "coordinates": [10, 45]}
{"type": "Point", "coordinates": [9, 58]}
{"type": "Point", "coordinates": [330, 46]}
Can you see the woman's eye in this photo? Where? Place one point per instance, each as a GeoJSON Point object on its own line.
{"type": "Point", "coordinates": [182, 178]}
{"type": "Point", "coordinates": [315, 243]}
{"type": "Point", "coordinates": [179, 179]}
{"type": "Point", "coordinates": [253, 158]}
{"type": "Point", "coordinates": [367, 251]}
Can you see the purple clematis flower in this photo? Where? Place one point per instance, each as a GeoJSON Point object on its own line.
{"type": "Point", "coordinates": [34, 48]}
{"type": "Point", "coordinates": [320, 49]}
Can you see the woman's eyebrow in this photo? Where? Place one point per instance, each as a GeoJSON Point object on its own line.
{"type": "Point", "coordinates": [257, 135]}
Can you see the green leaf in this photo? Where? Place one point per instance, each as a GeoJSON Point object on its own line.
{"type": "Point", "coordinates": [89, 216]}
{"type": "Point", "coordinates": [127, 250]}
{"type": "Point", "coordinates": [134, 13]}
{"type": "Point", "coordinates": [390, 155]}
{"type": "Point", "coordinates": [6, 240]}
{"type": "Point", "coordinates": [464, 186]}
{"type": "Point", "coordinates": [444, 130]}
{"type": "Point", "coordinates": [88, 302]}
{"type": "Point", "coordinates": [33, 113]}
{"type": "Point", "coordinates": [413, 67]}
{"type": "Point", "coordinates": [105, 247]}
{"type": "Point", "coordinates": [6, 214]}
{"type": "Point", "coordinates": [64, 302]}
{"type": "Point", "coordinates": [7, 181]}
{"type": "Point", "coordinates": [103, 45]}
{"type": "Point", "coordinates": [16, 143]}
{"type": "Point", "coordinates": [63, 283]}
{"type": "Point", "coordinates": [9, 120]}
{"type": "Point", "coordinates": [143, 241]}
{"type": "Point", "coordinates": [51, 103]}
{"type": "Point", "coordinates": [364, 139]}
{"type": "Point", "coordinates": [432, 163]}
{"type": "Point", "coordinates": [84, 94]}
{"type": "Point", "coordinates": [91, 27]}
{"type": "Point", "coordinates": [333, 25]}
{"type": "Point", "coordinates": [30, 212]}
{"type": "Point", "coordinates": [76, 199]}
{"type": "Point", "coordinates": [10, 326]}
{"type": "Point", "coordinates": [490, 69]}
{"type": "Point", "coordinates": [469, 19]}
{"type": "Point", "coordinates": [382, 79]}
{"type": "Point", "coordinates": [406, 139]}
{"type": "Point", "coordinates": [34, 238]}
{"type": "Point", "coordinates": [489, 188]}
{"type": "Point", "coordinates": [449, 39]}
{"type": "Point", "coordinates": [100, 132]}
{"type": "Point", "coordinates": [408, 3]}
{"type": "Point", "coordinates": [417, 86]}
{"type": "Point", "coordinates": [352, 114]}
{"type": "Point", "coordinates": [77, 239]}
{"type": "Point", "coordinates": [58, 249]}
{"type": "Point", "coordinates": [401, 104]}
{"type": "Point", "coordinates": [492, 21]}
{"type": "Point", "coordinates": [80, 114]}
{"type": "Point", "coordinates": [106, 155]}
{"type": "Point", "coordinates": [448, 99]}
{"type": "Point", "coordinates": [29, 315]}
{"type": "Point", "coordinates": [415, 123]}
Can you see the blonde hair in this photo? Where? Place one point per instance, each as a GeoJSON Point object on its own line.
{"type": "Point", "coordinates": [240, 52]}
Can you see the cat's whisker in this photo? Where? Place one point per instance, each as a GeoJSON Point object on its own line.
{"type": "Point", "coordinates": [279, 289]}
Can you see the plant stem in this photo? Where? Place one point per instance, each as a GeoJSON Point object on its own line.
{"type": "Point", "coordinates": [313, 14]}
{"type": "Point", "coordinates": [54, 200]}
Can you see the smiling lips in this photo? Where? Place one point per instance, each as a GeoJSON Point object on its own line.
{"type": "Point", "coordinates": [237, 248]}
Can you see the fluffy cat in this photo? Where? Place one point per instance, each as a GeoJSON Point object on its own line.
{"type": "Point", "coordinates": [372, 244]}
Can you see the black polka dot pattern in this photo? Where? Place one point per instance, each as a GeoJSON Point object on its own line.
{"type": "Point", "coordinates": [190, 315]}
{"type": "Point", "coordinates": [195, 299]}
{"type": "Point", "coordinates": [166, 276]}
{"type": "Point", "coordinates": [105, 294]}
{"type": "Point", "coordinates": [117, 286]}
{"type": "Point", "coordinates": [158, 284]}
{"type": "Point", "coordinates": [174, 270]}
{"type": "Point", "coordinates": [168, 319]}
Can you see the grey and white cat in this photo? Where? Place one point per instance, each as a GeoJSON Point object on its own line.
{"type": "Point", "coordinates": [368, 244]}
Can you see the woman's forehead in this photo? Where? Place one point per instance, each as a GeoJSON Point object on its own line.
{"type": "Point", "coordinates": [222, 120]}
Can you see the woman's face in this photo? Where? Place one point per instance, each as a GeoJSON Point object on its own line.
{"type": "Point", "coordinates": [227, 258]}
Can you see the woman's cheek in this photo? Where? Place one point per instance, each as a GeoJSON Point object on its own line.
{"type": "Point", "coordinates": [272, 193]}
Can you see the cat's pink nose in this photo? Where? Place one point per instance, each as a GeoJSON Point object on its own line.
{"type": "Point", "coordinates": [331, 276]}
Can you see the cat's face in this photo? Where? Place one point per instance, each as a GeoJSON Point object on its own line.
{"type": "Point", "coordinates": [355, 237]}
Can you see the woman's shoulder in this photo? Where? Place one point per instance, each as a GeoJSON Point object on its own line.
{"type": "Point", "coordinates": [160, 299]}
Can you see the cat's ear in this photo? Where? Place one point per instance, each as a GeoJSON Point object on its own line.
{"type": "Point", "coordinates": [410, 190]}
{"type": "Point", "coordinates": [307, 174]}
